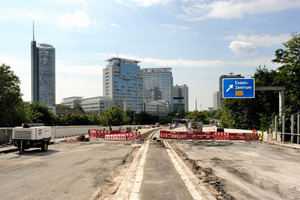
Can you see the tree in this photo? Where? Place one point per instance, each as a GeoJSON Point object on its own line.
{"type": "Point", "coordinates": [80, 108]}
{"type": "Point", "coordinates": [113, 117]}
{"type": "Point", "coordinates": [40, 113]}
{"type": "Point", "coordinates": [64, 106]}
{"type": "Point", "coordinates": [12, 110]}
{"type": "Point", "coordinates": [129, 117]}
{"type": "Point", "coordinates": [198, 116]}
{"type": "Point", "coordinates": [181, 112]}
{"type": "Point", "coordinates": [94, 118]}
{"type": "Point", "coordinates": [290, 72]}
{"type": "Point", "coordinates": [146, 118]}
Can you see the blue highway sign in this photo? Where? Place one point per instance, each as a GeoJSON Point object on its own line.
{"type": "Point", "coordinates": [238, 88]}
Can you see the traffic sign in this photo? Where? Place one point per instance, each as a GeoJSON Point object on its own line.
{"type": "Point", "coordinates": [238, 88]}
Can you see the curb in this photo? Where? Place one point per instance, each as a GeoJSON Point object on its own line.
{"type": "Point", "coordinates": [284, 145]}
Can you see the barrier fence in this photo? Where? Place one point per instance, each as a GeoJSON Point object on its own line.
{"type": "Point", "coordinates": [115, 134]}
{"type": "Point", "coordinates": [190, 135]}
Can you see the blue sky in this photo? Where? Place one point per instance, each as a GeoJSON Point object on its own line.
{"type": "Point", "coordinates": [199, 39]}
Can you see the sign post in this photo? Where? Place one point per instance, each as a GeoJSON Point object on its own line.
{"type": "Point", "coordinates": [238, 88]}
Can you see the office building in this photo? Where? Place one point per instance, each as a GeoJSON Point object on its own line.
{"type": "Point", "coordinates": [90, 105]}
{"type": "Point", "coordinates": [159, 107]}
{"type": "Point", "coordinates": [231, 75]}
{"type": "Point", "coordinates": [180, 97]}
{"type": "Point", "coordinates": [158, 84]}
{"type": "Point", "coordinates": [123, 83]}
{"type": "Point", "coordinates": [43, 73]}
{"type": "Point", "coordinates": [216, 101]}
{"type": "Point", "coordinates": [71, 101]}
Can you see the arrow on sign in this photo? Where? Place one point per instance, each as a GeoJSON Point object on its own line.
{"type": "Point", "coordinates": [230, 87]}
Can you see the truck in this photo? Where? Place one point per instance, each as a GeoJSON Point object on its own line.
{"type": "Point", "coordinates": [31, 136]}
{"type": "Point", "coordinates": [192, 125]}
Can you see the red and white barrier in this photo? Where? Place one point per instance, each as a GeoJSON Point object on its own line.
{"type": "Point", "coordinates": [190, 135]}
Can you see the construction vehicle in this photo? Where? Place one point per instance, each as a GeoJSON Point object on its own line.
{"type": "Point", "coordinates": [31, 136]}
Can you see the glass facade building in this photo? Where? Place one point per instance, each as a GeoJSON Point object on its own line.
{"type": "Point", "coordinates": [43, 73]}
{"type": "Point", "coordinates": [158, 84]}
{"type": "Point", "coordinates": [180, 97]}
{"type": "Point", "coordinates": [123, 83]}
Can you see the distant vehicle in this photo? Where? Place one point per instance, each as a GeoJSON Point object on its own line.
{"type": "Point", "coordinates": [195, 126]}
{"type": "Point", "coordinates": [30, 135]}
{"type": "Point", "coordinates": [157, 124]}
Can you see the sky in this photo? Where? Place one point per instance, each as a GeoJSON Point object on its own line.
{"type": "Point", "coordinates": [199, 39]}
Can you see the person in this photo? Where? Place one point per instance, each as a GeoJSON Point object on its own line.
{"type": "Point", "coordinates": [260, 136]}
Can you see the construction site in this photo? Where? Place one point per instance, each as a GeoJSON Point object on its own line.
{"type": "Point", "coordinates": [153, 163]}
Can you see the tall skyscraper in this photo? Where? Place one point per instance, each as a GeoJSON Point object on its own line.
{"type": "Point", "coordinates": [158, 84]}
{"type": "Point", "coordinates": [216, 100]}
{"type": "Point", "coordinates": [180, 97]}
{"type": "Point", "coordinates": [123, 83]}
{"type": "Point", "coordinates": [231, 75]}
{"type": "Point", "coordinates": [42, 73]}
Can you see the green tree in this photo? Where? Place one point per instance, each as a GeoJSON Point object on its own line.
{"type": "Point", "coordinates": [146, 118]}
{"type": "Point", "coordinates": [80, 108]}
{"type": "Point", "coordinates": [289, 59]}
{"type": "Point", "coordinates": [40, 113]}
{"type": "Point", "coordinates": [94, 118]}
{"type": "Point", "coordinates": [198, 116]}
{"type": "Point", "coordinates": [12, 110]}
{"type": "Point", "coordinates": [181, 112]}
{"type": "Point", "coordinates": [75, 119]}
{"type": "Point", "coordinates": [113, 117]}
{"type": "Point", "coordinates": [129, 117]}
{"type": "Point", "coordinates": [64, 106]}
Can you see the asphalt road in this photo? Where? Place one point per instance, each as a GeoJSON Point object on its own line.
{"type": "Point", "coordinates": [65, 171]}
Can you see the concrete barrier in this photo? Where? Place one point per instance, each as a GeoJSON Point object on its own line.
{"type": "Point", "coordinates": [5, 135]}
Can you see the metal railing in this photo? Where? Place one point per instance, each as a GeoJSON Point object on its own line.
{"type": "Point", "coordinates": [293, 137]}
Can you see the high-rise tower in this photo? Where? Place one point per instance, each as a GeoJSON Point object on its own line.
{"type": "Point", "coordinates": [42, 73]}
{"type": "Point", "coordinates": [158, 85]}
{"type": "Point", "coordinates": [123, 83]}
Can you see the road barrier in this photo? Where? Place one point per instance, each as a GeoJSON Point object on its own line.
{"type": "Point", "coordinates": [117, 135]}
{"type": "Point", "coordinates": [194, 135]}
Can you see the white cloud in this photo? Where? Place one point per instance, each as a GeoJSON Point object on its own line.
{"type": "Point", "coordinates": [171, 28]}
{"type": "Point", "coordinates": [243, 48]}
{"type": "Point", "coordinates": [146, 3]}
{"type": "Point", "coordinates": [196, 63]}
{"type": "Point", "coordinates": [78, 19]}
{"type": "Point", "coordinates": [114, 25]}
{"type": "Point", "coordinates": [235, 8]}
{"type": "Point", "coordinates": [72, 2]}
{"type": "Point", "coordinates": [264, 40]}
{"type": "Point", "coordinates": [14, 14]}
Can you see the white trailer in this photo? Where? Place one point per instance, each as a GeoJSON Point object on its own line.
{"type": "Point", "coordinates": [25, 138]}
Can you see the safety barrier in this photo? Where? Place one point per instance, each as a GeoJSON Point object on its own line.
{"type": "Point", "coordinates": [190, 135]}
{"type": "Point", "coordinates": [124, 136]}
{"type": "Point", "coordinates": [221, 136]}
{"type": "Point", "coordinates": [100, 133]}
